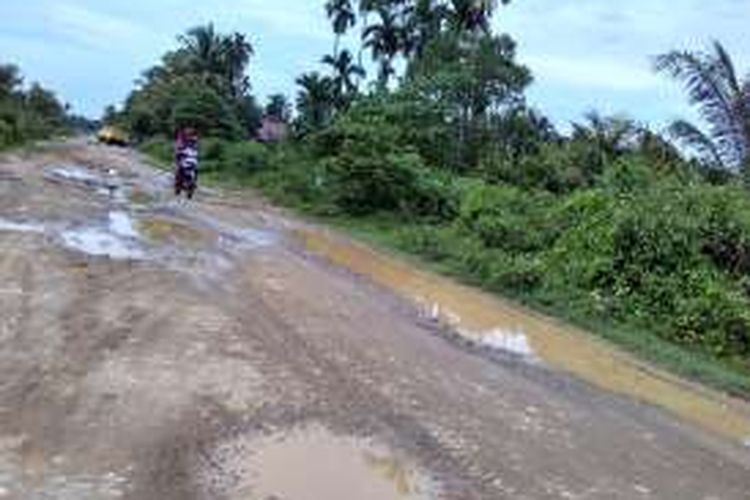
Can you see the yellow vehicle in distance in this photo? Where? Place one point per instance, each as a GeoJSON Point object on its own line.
{"type": "Point", "coordinates": [112, 136]}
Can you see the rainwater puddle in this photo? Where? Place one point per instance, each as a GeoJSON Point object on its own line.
{"type": "Point", "coordinates": [20, 227]}
{"type": "Point", "coordinates": [105, 184]}
{"type": "Point", "coordinates": [513, 342]}
{"type": "Point", "coordinates": [121, 224]}
{"type": "Point", "coordinates": [505, 325]}
{"type": "Point", "coordinates": [314, 464]}
{"type": "Point", "coordinates": [117, 240]}
{"type": "Point", "coordinates": [75, 174]}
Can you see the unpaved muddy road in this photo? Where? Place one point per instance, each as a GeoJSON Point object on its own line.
{"type": "Point", "coordinates": [155, 350]}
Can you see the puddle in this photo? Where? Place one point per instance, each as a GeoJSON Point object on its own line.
{"type": "Point", "coordinates": [484, 317]}
{"type": "Point", "coordinates": [513, 342]}
{"type": "Point", "coordinates": [20, 227]}
{"type": "Point", "coordinates": [105, 184]}
{"type": "Point", "coordinates": [314, 464]}
{"type": "Point", "coordinates": [118, 240]}
{"type": "Point", "coordinates": [167, 230]}
{"type": "Point", "coordinates": [76, 174]}
{"type": "Point", "coordinates": [101, 243]}
{"type": "Point", "coordinates": [121, 224]}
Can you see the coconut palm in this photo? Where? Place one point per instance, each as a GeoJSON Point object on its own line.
{"type": "Point", "coordinates": [345, 70]}
{"type": "Point", "coordinates": [723, 100]}
{"type": "Point", "coordinates": [237, 51]}
{"type": "Point", "coordinates": [204, 49]}
{"type": "Point", "coordinates": [342, 16]}
{"type": "Point", "coordinates": [315, 101]}
{"type": "Point", "coordinates": [385, 40]}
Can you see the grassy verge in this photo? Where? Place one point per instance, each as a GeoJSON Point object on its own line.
{"type": "Point", "coordinates": [446, 253]}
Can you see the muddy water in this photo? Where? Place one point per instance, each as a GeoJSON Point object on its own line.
{"type": "Point", "coordinates": [168, 230]}
{"type": "Point", "coordinates": [476, 314]}
{"type": "Point", "coordinates": [314, 464]}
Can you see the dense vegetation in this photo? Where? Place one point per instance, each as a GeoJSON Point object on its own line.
{"type": "Point", "coordinates": [609, 225]}
{"type": "Point", "coordinates": [27, 113]}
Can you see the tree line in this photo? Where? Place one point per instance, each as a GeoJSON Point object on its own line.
{"type": "Point", "coordinates": [27, 113]}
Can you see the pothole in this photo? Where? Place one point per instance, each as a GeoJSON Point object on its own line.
{"type": "Point", "coordinates": [500, 339]}
{"type": "Point", "coordinates": [117, 240]}
{"type": "Point", "coordinates": [507, 340]}
{"type": "Point", "coordinates": [313, 464]}
{"type": "Point", "coordinates": [76, 174]}
{"type": "Point", "coordinates": [105, 183]}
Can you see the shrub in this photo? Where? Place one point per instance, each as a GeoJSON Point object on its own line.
{"type": "Point", "coordinates": [245, 157]}
{"type": "Point", "coordinates": [159, 148]}
{"type": "Point", "coordinates": [505, 217]}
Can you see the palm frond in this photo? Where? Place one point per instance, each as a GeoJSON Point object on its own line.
{"type": "Point", "coordinates": [693, 138]}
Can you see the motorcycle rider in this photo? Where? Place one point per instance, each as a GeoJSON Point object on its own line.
{"type": "Point", "coordinates": [186, 162]}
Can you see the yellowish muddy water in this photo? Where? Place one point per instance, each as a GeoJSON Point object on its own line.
{"type": "Point", "coordinates": [167, 230]}
{"type": "Point", "coordinates": [314, 464]}
{"type": "Point", "coordinates": [481, 316]}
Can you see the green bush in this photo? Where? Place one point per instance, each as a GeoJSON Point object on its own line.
{"type": "Point", "coordinates": [159, 148]}
{"type": "Point", "coordinates": [506, 217]}
{"type": "Point", "coordinates": [245, 157]}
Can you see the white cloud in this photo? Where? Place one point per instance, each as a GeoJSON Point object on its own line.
{"type": "Point", "coordinates": [592, 72]}
{"type": "Point", "coordinates": [94, 29]}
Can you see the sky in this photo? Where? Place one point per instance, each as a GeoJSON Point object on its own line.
{"type": "Point", "coordinates": [585, 54]}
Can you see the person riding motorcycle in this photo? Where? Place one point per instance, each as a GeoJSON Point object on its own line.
{"type": "Point", "coordinates": [186, 162]}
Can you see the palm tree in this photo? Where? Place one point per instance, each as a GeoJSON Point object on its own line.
{"type": "Point", "coordinates": [342, 16]}
{"type": "Point", "coordinates": [385, 40]}
{"type": "Point", "coordinates": [205, 49]}
{"type": "Point", "coordinates": [344, 72]}
{"type": "Point", "coordinates": [611, 136]}
{"type": "Point", "coordinates": [315, 101]}
{"type": "Point", "coordinates": [422, 25]}
{"type": "Point", "coordinates": [723, 100]}
{"type": "Point", "coordinates": [237, 51]}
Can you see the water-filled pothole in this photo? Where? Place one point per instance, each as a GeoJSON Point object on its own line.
{"type": "Point", "coordinates": [117, 240]}
{"type": "Point", "coordinates": [75, 173]}
{"type": "Point", "coordinates": [314, 464]}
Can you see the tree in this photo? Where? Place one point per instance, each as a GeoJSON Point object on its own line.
{"type": "Point", "coordinates": [385, 40]}
{"type": "Point", "coordinates": [237, 51]}
{"type": "Point", "coordinates": [278, 107]}
{"type": "Point", "coordinates": [723, 100]}
{"type": "Point", "coordinates": [205, 50]}
{"type": "Point", "coordinates": [10, 80]}
{"type": "Point", "coordinates": [315, 101]}
{"type": "Point", "coordinates": [342, 16]}
{"type": "Point", "coordinates": [44, 104]}
{"type": "Point", "coordinates": [208, 66]}
{"type": "Point", "coordinates": [344, 71]}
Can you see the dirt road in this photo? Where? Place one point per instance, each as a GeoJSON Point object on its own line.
{"type": "Point", "coordinates": [155, 350]}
